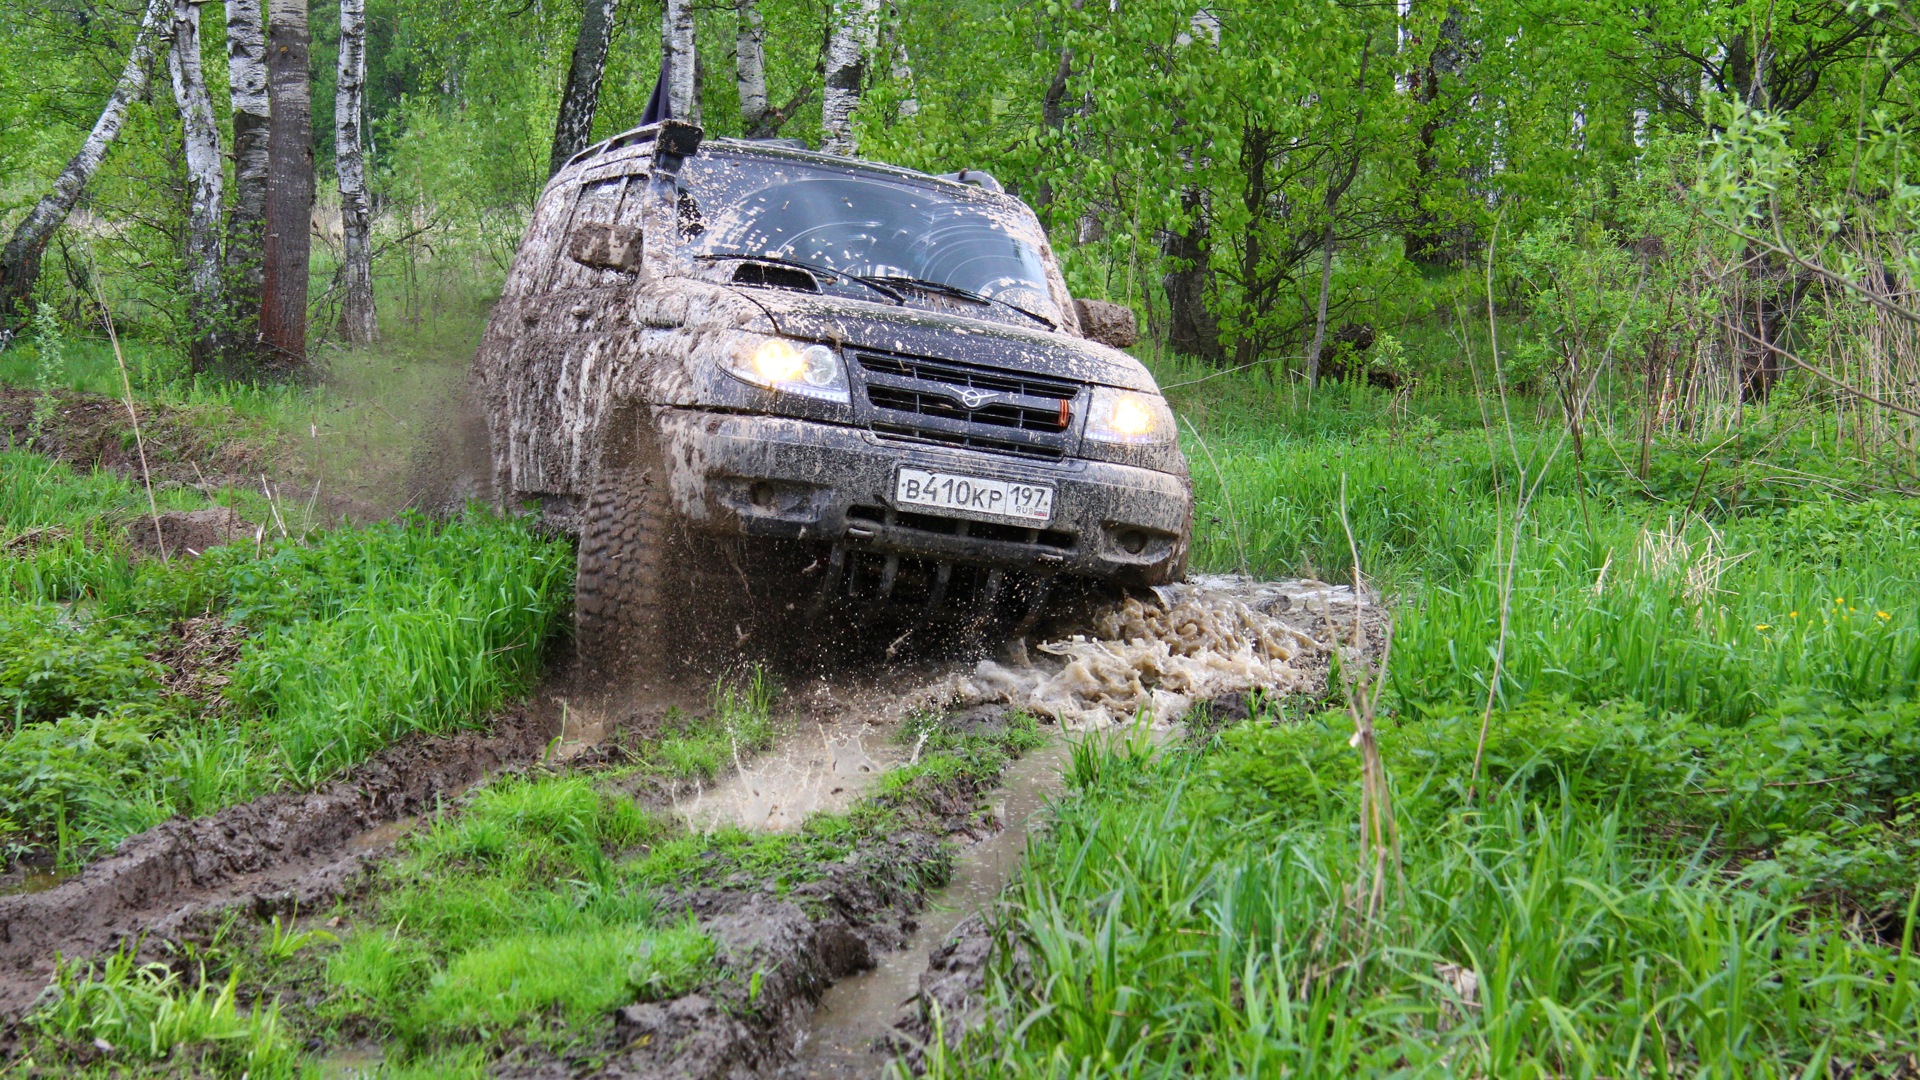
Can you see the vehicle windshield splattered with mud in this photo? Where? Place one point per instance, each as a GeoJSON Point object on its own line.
{"type": "Point", "coordinates": [740, 368]}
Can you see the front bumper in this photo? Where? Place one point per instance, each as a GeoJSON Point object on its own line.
{"type": "Point", "coordinates": [782, 478]}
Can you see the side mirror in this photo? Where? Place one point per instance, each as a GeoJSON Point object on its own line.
{"type": "Point", "coordinates": [605, 247]}
{"type": "Point", "coordinates": [1108, 324]}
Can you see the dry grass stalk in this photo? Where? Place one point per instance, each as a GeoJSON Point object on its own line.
{"type": "Point", "coordinates": [133, 416]}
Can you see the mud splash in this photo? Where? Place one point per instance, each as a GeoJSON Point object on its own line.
{"type": "Point", "coordinates": [1162, 653]}
{"type": "Point", "coordinates": [852, 1031]}
{"type": "Point", "coordinates": [817, 770]}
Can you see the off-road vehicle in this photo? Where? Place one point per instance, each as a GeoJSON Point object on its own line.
{"type": "Point", "coordinates": [737, 367]}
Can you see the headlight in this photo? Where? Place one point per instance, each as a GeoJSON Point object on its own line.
{"type": "Point", "coordinates": [792, 366]}
{"type": "Point", "coordinates": [1124, 416]}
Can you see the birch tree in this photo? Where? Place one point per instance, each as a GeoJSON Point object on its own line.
{"type": "Point", "coordinates": [855, 26]}
{"type": "Point", "coordinates": [574, 127]}
{"type": "Point", "coordinates": [357, 319]}
{"type": "Point", "coordinates": [247, 202]}
{"type": "Point", "coordinates": [20, 259]}
{"type": "Point", "coordinates": [759, 119]}
{"type": "Point", "coordinates": [682, 54]}
{"type": "Point", "coordinates": [283, 301]}
{"type": "Point", "coordinates": [750, 66]}
{"type": "Point", "coordinates": [200, 143]}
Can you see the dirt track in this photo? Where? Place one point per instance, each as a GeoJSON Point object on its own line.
{"type": "Point", "coordinates": [270, 855]}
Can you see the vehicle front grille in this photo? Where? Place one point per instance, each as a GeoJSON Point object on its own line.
{"type": "Point", "coordinates": [1013, 412]}
{"type": "Point", "coordinates": [979, 530]}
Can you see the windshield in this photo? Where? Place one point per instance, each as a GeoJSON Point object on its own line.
{"type": "Point", "coordinates": [864, 225]}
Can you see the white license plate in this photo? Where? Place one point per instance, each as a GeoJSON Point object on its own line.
{"type": "Point", "coordinates": [969, 496]}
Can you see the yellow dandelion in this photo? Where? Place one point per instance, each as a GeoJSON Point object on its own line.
{"type": "Point", "coordinates": [1761, 626]}
{"type": "Point", "coordinates": [1839, 600]}
{"type": "Point", "coordinates": [1882, 616]}
{"type": "Point", "coordinates": [1793, 614]}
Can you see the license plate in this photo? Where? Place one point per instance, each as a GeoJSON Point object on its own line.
{"type": "Point", "coordinates": [1001, 500]}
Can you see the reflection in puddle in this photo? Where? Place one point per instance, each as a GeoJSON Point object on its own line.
{"type": "Point", "coordinates": [859, 1010]}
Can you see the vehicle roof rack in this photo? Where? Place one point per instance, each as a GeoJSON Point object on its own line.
{"type": "Point", "coordinates": [784, 144]}
{"type": "Point", "coordinates": [976, 178]}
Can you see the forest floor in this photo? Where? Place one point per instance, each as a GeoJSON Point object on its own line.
{"type": "Point", "coordinates": [324, 800]}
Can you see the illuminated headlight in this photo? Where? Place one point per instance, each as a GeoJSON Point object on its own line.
{"type": "Point", "coordinates": [791, 366]}
{"type": "Point", "coordinates": [1124, 416]}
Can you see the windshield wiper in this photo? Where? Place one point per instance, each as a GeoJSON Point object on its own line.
{"type": "Point", "coordinates": [957, 291]}
{"type": "Point", "coordinates": [813, 268]}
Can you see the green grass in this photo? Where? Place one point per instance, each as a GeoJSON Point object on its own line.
{"type": "Point", "coordinates": [352, 638]}
{"type": "Point", "coordinates": [1696, 831]}
{"type": "Point", "coordinates": [1196, 912]}
{"type": "Point", "coordinates": [528, 913]}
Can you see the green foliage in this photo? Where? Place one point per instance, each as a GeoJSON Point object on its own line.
{"type": "Point", "coordinates": [352, 639]}
{"type": "Point", "coordinates": [148, 1013]}
{"type": "Point", "coordinates": [364, 635]}
{"type": "Point", "coordinates": [1196, 910]}
{"type": "Point", "coordinates": [51, 665]}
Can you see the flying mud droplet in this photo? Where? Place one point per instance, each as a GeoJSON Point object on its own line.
{"type": "Point", "coordinates": [1182, 644]}
{"type": "Point", "coordinates": [817, 769]}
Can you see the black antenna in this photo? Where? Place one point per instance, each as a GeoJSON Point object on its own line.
{"type": "Point", "coordinates": [659, 109]}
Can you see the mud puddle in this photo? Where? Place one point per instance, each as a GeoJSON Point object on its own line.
{"type": "Point", "coordinates": [816, 770]}
{"type": "Point", "coordinates": [852, 1025]}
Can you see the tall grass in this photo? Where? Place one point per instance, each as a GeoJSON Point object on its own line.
{"type": "Point", "coordinates": [347, 640]}
{"type": "Point", "coordinates": [1183, 916]}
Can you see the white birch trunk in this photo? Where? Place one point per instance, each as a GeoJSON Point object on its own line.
{"type": "Point", "coordinates": [357, 319]}
{"type": "Point", "coordinates": [677, 40]}
{"type": "Point", "coordinates": [750, 66]}
{"type": "Point", "coordinates": [856, 23]}
{"type": "Point", "coordinates": [200, 141]}
{"type": "Point", "coordinates": [247, 202]}
{"type": "Point", "coordinates": [20, 260]}
{"type": "Point", "coordinates": [902, 67]}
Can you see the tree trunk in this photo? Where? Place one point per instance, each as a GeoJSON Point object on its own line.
{"type": "Point", "coordinates": [1320, 312]}
{"type": "Point", "coordinates": [283, 302]}
{"type": "Point", "coordinates": [574, 127]}
{"type": "Point", "coordinates": [855, 25]}
{"type": "Point", "coordinates": [20, 259]}
{"type": "Point", "coordinates": [1191, 328]}
{"type": "Point", "coordinates": [750, 70]}
{"type": "Point", "coordinates": [902, 66]}
{"type": "Point", "coordinates": [357, 320]}
{"type": "Point", "coordinates": [247, 203]}
{"type": "Point", "coordinates": [200, 141]}
{"type": "Point", "coordinates": [682, 56]}
{"type": "Point", "coordinates": [750, 66]}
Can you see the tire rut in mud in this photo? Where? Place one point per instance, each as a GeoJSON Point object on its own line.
{"type": "Point", "coordinates": [273, 854]}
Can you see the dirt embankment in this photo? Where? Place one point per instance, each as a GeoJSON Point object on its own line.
{"type": "Point", "coordinates": [271, 855]}
{"type": "Point", "coordinates": [91, 431]}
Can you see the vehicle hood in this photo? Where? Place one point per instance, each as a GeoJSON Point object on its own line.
{"type": "Point", "coordinates": [918, 332]}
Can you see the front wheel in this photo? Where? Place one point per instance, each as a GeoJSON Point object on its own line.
{"type": "Point", "coordinates": [625, 576]}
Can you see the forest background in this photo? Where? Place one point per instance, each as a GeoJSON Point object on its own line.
{"type": "Point", "coordinates": [1695, 199]}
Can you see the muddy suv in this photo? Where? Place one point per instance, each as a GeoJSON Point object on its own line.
{"type": "Point", "coordinates": [736, 367]}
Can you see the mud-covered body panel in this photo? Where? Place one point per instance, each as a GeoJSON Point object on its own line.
{"type": "Point", "coordinates": [803, 480]}
{"type": "Point", "coordinates": [606, 308]}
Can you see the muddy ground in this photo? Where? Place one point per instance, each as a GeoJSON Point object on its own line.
{"type": "Point", "coordinates": [274, 855]}
{"type": "Point", "coordinates": [90, 431]}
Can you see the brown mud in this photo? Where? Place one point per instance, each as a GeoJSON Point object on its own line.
{"type": "Point", "coordinates": [276, 854]}
{"type": "Point", "coordinates": [89, 431]}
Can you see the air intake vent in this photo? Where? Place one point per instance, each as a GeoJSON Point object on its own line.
{"type": "Point", "coordinates": [1001, 410]}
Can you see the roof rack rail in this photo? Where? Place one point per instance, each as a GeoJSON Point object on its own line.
{"type": "Point", "coordinates": [977, 178]}
{"type": "Point", "coordinates": [784, 144]}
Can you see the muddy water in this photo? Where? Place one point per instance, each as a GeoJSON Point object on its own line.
{"type": "Point", "coordinates": [857, 1012]}
{"type": "Point", "coordinates": [819, 769]}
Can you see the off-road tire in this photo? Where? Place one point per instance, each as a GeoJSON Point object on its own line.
{"type": "Point", "coordinates": [625, 581]}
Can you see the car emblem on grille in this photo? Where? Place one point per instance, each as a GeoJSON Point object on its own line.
{"type": "Point", "coordinates": [973, 398]}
